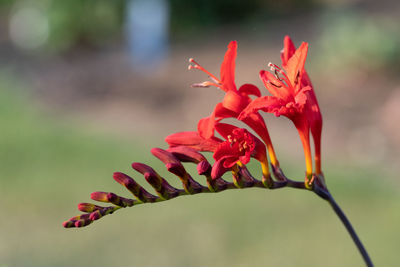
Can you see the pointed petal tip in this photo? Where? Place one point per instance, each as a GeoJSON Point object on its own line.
{"type": "Point", "coordinates": [232, 44]}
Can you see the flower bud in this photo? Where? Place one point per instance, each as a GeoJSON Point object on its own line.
{"type": "Point", "coordinates": [88, 207]}
{"type": "Point", "coordinates": [204, 168]}
{"type": "Point", "coordinates": [130, 184]}
{"type": "Point", "coordinates": [160, 185]}
{"type": "Point", "coordinates": [82, 222]}
{"type": "Point", "coordinates": [186, 154]}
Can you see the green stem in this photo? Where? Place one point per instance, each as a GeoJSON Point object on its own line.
{"type": "Point", "coordinates": [324, 193]}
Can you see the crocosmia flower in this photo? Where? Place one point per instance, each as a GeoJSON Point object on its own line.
{"type": "Point", "coordinates": [234, 102]}
{"type": "Point", "coordinates": [292, 96]}
{"type": "Point", "coordinates": [239, 146]}
{"type": "Point", "coordinates": [312, 108]}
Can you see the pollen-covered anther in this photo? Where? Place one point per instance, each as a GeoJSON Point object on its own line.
{"type": "Point", "coordinates": [196, 65]}
{"type": "Point", "coordinates": [243, 146]}
{"type": "Point", "coordinates": [271, 66]}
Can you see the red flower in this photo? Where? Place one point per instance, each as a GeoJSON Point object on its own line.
{"type": "Point", "coordinates": [291, 98]}
{"type": "Point", "coordinates": [239, 146]}
{"type": "Point", "coordinates": [234, 102]}
{"type": "Point", "coordinates": [312, 108]}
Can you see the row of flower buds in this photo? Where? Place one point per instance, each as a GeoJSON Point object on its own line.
{"type": "Point", "coordinates": [172, 158]}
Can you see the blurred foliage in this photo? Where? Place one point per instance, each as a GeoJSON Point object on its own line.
{"type": "Point", "coordinates": [93, 23]}
{"type": "Point", "coordinates": [84, 22]}
{"type": "Point", "coordinates": [359, 40]}
{"type": "Point", "coordinates": [75, 22]}
{"type": "Point", "coordinates": [189, 15]}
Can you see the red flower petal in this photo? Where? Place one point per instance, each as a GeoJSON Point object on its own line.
{"type": "Point", "coordinates": [275, 86]}
{"type": "Point", "coordinates": [249, 89]}
{"type": "Point", "coordinates": [218, 169]}
{"type": "Point", "coordinates": [221, 112]}
{"type": "Point", "coordinates": [224, 150]}
{"type": "Point", "coordinates": [193, 140]}
{"type": "Point", "coordinates": [228, 68]}
{"type": "Point", "coordinates": [206, 126]}
{"type": "Point", "coordinates": [235, 102]}
{"type": "Point", "coordinates": [265, 103]}
{"type": "Point", "coordinates": [295, 65]}
{"type": "Point", "coordinates": [288, 50]}
{"type": "Point", "coordinates": [225, 129]}
{"type": "Point", "coordinates": [302, 97]}
{"type": "Point", "coordinates": [230, 161]}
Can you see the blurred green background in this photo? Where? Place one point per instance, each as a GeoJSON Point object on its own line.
{"type": "Point", "coordinates": [77, 105]}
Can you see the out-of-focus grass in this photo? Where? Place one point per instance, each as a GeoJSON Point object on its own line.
{"type": "Point", "coordinates": [49, 165]}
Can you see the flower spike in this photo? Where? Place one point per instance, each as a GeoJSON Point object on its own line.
{"type": "Point", "coordinates": [292, 96]}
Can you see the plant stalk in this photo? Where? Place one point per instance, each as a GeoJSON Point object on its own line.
{"type": "Point", "coordinates": [325, 194]}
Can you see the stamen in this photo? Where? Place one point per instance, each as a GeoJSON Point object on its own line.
{"type": "Point", "coordinates": [286, 78]}
{"type": "Point", "coordinates": [273, 66]}
{"type": "Point", "coordinates": [277, 75]}
{"type": "Point", "coordinates": [245, 145]}
{"type": "Point", "coordinates": [279, 86]}
{"type": "Point", "coordinates": [199, 67]}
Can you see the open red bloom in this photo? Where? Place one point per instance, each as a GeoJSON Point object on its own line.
{"type": "Point", "coordinates": [234, 102]}
{"type": "Point", "coordinates": [312, 108]}
{"type": "Point", "coordinates": [289, 95]}
{"type": "Point", "coordinates": [239, 146]}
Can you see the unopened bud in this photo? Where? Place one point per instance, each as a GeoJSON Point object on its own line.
{"type": "Point", "coordinates": [204, 168]}
{"type": "Point", "coordinates": [99, 196]}
{"type": "Point", "coordinates": [68, 224]}
{"type": "Point", "coordinates": [83, 222]}
{"type": "Point", "coordinates": [88, 207]}
{"type": "Point", "coordinates": [130, 184]}
{"type": "Point", "coordinates": [186, 154]}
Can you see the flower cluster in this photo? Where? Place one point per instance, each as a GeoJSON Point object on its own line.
{"type": "Point", "coordinates": [292, 95]}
